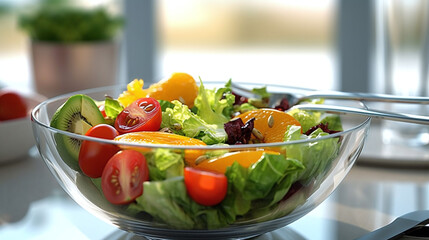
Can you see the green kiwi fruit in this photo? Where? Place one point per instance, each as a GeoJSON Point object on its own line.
{"type": "Point", "coordinates": [77, 115]}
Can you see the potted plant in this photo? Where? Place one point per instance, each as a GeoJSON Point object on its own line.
{"type": "Point", "coordinates": [72, 48]}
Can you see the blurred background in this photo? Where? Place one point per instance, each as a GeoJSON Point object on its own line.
{"type": "Point", "coordinates": [250, 40]}
{"type": "Point", "coordinates": [290, 42]}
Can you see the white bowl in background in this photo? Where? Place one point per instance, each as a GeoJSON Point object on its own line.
{"type": "Point", "coordinates": [16, 135]}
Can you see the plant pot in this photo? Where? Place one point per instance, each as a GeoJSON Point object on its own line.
{"type": "Point", "coordinates": [62, 68]}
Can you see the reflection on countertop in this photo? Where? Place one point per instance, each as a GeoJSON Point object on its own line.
{"type": "Point", "coordinates": [33, 206]}
{"type": "Point", "coordinates": [22, 182]}
{"type": "Point", "coordinates": [377, 152]}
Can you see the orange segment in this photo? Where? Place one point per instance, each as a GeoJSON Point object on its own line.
{"type": "Point", "coordinates": [179, 86]}
{"type": "Point", "coordinates": [150, 137]}
{"type": "Point", "coordinates": [163, 138]}
{"type": "Point", "coordinates": [272, 129]}
{"type": "Point", "coordinates": [244, 158]}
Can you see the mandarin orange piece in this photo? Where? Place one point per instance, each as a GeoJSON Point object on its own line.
{"type": "Point", "coordinates": [179, 86]}
{"type": "Point", "coordinates": [271, 123]}
{"type": "Point", "coordinates": [155, 137]}
{"type": "Point", "coordinates": [244, 158]}
{"type": "Point", "coordinates": [148, 137]}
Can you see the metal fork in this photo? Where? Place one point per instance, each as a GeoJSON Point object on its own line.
{"type": "Point", "coordinates": [295, 98]}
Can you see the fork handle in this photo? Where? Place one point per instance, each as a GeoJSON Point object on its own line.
{"type": "Point", "coordinates": [401, 117]}
{"type": "Point", "coordinates": [373, 97]}
{"type": "Point", "coordinates": [367, 97]}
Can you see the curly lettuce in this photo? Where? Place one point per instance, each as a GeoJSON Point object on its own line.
{"type": "Point", "coordinates": [181, 120]}
{"type": "Point", "coordinates": [213, 108]}
{"type": "Point", "coordinates": [309, 119]}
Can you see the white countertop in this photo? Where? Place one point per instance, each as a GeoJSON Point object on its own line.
{"type": "Point", "coordinates": [33, 205]}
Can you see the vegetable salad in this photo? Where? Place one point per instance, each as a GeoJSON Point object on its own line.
{"type": "Point", "coordinates": [197, 188]}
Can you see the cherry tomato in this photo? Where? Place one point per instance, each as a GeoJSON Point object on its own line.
{"type": "Point", "coordinates": [12, 105]}
{"type": "Point", "coordinates": [144, 114]}
{"type": "Point", "coordinates": [205, 188]}
{"type": "Point", "coordinates": [123, 177]}
{"type": "Point", "coordinates": [102, 110]}
{"type": "Point", "coordinates": [93, 156]}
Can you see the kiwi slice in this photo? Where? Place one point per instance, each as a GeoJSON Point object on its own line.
{"type": "Point", "coordinates": [77, 115]}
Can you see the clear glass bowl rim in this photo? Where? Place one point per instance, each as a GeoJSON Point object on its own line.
{"type": "Point", "coordinates": [35, 120]}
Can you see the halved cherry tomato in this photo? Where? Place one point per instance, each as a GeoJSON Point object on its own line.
{"type": "Point", "coordinates": [12, 105]}
{"type": "Point", "coordinates": [205, 188]}
{"type": "Point", "coordinates": [93, 156]}
{"type": "Point", "coordinates": [102, 110]}
{"type": "Point", "coordinates": [123, 177]}
{"type": "Point", "coordinates": [144, 114]}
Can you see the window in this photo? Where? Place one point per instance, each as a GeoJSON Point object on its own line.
{"type": "Point", "coordinates": [286, 42]}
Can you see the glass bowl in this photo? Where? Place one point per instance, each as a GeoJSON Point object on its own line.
{"type": "Point", "coordinates": [307, 194]}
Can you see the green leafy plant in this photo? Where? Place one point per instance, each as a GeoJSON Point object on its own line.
{"type": "Point", "coordinates": [63, 23]}
{"type": "Point", "coordinates": [4, 9]}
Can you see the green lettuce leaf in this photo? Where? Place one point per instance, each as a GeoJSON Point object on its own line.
{"type": "Point", "coordinates": [307, 119]}
{"type": "Point", "coordinates": [234, 203]}
{"type": "Point", "coordinates": [112, 108]}
{"type": "Point", "coordinates": [262, 92]}
{"type": "Point", "coordinates": [262, 99]}
{"type": "Point", "coordinates": [250, 191]}
{"type": "Point", "coordinates": [164, 164]}
{"type": "Point", "coordinates": [215, 106]}
{"type": "Point", "coordinates": [315, 100]}
{"type": "Point", "coordinates": [245, 107]}
{"type": "Point", "coordinates": [315, 156]}
{"type": "Point", "coordinates": [333, 121]}
{"type": "Point", "coordinates": [169, 202]}
{"type": "Point", "coordinates": [268, 171]}
{"type": "Point", "coordinates": [165, 104]}
{"type": "Point", "coordinates": [191, 125]}
{"type": "Point", "coordinates": [163, 200]}
{"type": "Point", "coordinates": [260, 186]}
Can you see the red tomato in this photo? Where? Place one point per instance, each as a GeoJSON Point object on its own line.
{"type": "Point", "coordinates": [93, 156]}
{"type": "Point", "coordinates": [102, 110]}
{"type": "Point", "coordinates": [123, 177]}
{"type": "Point", "coordinates": [143, 114]}
{"type": "Point", "coordinates": [12, 105]}
{"type": "Point", "coordinates": [205, 188]}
